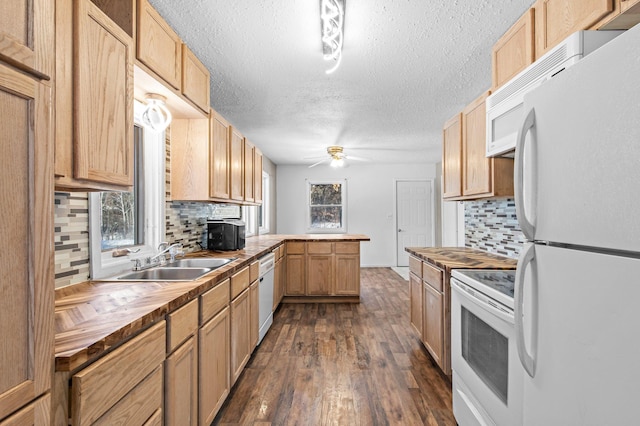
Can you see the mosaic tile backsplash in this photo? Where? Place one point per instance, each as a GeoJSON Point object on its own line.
{"type": "Point", "coordinates": [492, 226]}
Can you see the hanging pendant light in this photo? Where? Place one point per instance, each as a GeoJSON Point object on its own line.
{"type": "Point", "coordinates": [156, 116]}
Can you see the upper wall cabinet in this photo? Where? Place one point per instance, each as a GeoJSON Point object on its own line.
{"type": "Point", "coordinates": [26, 36]}
{"type": "Point", "coordinates": [626, 14]}
{"type": "Point", "coordinates": [219, 152]}
{"type": "Point", "coordinates": [195, 79]}
{"type": "Point", "coordinates": [514, 51]}
{"type": "Point", "coordinates": [257, 175]}
{"type": "Point", "coordinates": [248, 171]}
{"type": "Point", "coordinates": [161, 53]}
{"type": "Point", "coordinates": [94, 96]}
{"type": "Point", "coordinates": [557, 19]}
{"type": "Point", "coordinates": [236, 164]}
{"type": "Point", "coordinates": [158, 46]}
{"type": "Point", "coordinates": [464, 145]}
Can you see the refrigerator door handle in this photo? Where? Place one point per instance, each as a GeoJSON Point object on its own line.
{"type": "Point", "coordinates": [526, 359]}
{"type": "Point", "coordinates": [528, 228]}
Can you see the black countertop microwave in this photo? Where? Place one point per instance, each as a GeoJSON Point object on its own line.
{"type": "Point", "coordinates": [225, 235]}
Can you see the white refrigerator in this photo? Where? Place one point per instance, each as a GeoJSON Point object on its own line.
{"type": "Point", "coordinates": [577, 178]}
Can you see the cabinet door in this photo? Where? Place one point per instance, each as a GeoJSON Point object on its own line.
{"type": "Point", "coordinates": [26, 226]}
{"type": "Point", "coordinates": [415, 302]}
{"type": "Point", "coordinates": [296, 277]}
{"type": "Point", "coordinates": [220, 156]}
{"type": "Point", "coordinates": [254, 319]}
{"type": "Point", "coordinates": [181, 385]}
{"type": "Point", "coordinates": [237, 165]}
{"type": "Point", "coordinates": [248, 171]}
{"type": "Point", "coordinates": [103, 98]}
{"type": "Point", "coordinates": [557, 19]}
{"type": "Point", "coordinates": [26, 36]}
{"type": "Point", "coordinates": [240, 334]}
{"type": "Point", "coordinates": [347, 275]}
{"type": "Point", "coordinates": [319, 274]}
{"type": "Point", "coordinates": [514, 51]}
{"type": "Point", "coordinates": [214, 366]}
{"type": "Point", "coordinates": [476, 167]}
{"type": "Point", "coordinates": [433, 326]}
{"type": "Point", "coordinates": [195, 79]}
{"type": "Point", "coordinates": [158, 46]}
{"type": "Point", "coordinates": [189, 163]}
{"type": "Point", "coordinates": [628, 4]}
{"type": "Point", "coordinates": [452, 157]}
{"type": "Point", "coordinates": [257, 176]}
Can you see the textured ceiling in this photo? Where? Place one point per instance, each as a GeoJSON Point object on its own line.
{"type": "Point", "coordinates": [408, 65]}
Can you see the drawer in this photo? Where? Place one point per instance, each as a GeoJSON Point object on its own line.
{"type": "Point", "coordinates": [295, 248]}
{"type": "Point", "coordinates": [319, 248]}
{"type": "Point", "coordinates": [254, 271]}
{"type": "Point", "coordinates": [97, 388]}
{"type": "Point", "coordinates": [347, 248]}
{"type": "Point", "coordinates": [415, 266]}
{"type": "Point", "coordinates": [214, 300]}
{"type": "Point", "coordinates": [239, 282]}
{"type": "Point", "coordinates": [138, 405]}
{"type": "Point", "coordinates": [181, 324]}
{"type": "Point", "coordinates": [432, 276]}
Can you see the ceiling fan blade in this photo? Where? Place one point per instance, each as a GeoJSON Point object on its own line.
{"type": "Point", "coordinates": [319, 162]}
{"type": "Point", "coordinates": [351, 157]}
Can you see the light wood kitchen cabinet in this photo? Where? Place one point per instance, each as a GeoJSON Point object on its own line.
{"type": "Point", "coordinates": [36, 413]}
{"type": "Point", "coordinates": [195, 80]}
{"type": "Point", "coordinates": [181, 366]}
{"type": "Point", "coordinates": [236, 165]}
{"type": "Point", "coordinates": [248, 171]}
{"type": "Point", "coordinates": [158, 45]}
{"type": "Point", "coordinates": [433, 326]}
{"type": "Point", "coordinates": [557, 19]}
{"type": "Point", "coordinates": [295, 269]}
{"type": "Point", "coordinates": [26, 260]}
{"type": "Point", "coordinates": [181, 385]}
{"type": "Point", "coordinates": [94, 98]}
{"type": "Point", "coordinates": [482, 177]}
{"type": "Point", "coordinates": [240, 334]}
{"type": "Point", "coordinates": [214, 351]}
{"type": "Point", "coordinates": [27, 35]}
{"type": "Point", "coordinates": [215, 366]}
{"type": "Point", "coordinates": [452, 157]}
{"type": "Point", "coordinates": [320, 269]}
{"type": "Point", "coordinates": [347, 269]}
{"type": "Point", "coordinates": [514, 51]}
{"type": "Point", "coordinates": [257, 175]}
{"type": "Point", "coordinates": [220, 153]}
{"type": "Point", "coordinates": [96, 389]}
{"type": "Point", "coordinates": [415, 302]}
{"type": "Point", "coordinates": [190, 160]}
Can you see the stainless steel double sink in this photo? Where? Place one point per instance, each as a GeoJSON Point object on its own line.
{"type": "Point", "coordinates": [179, 270]}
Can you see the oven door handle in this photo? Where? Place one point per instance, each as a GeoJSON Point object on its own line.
{"type": "Point", "coordinates": [481, 301]}
{"type": "Point", "coordinates": [527, 359]}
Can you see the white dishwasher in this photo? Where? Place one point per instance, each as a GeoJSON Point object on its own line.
{"type": "Point", "coordinates": [265, 294]}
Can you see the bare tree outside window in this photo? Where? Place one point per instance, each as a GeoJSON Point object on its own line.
{"type": "Point", "coordinates": [118, 220]}
{"type": "Point", "coordinates": [326, 206]}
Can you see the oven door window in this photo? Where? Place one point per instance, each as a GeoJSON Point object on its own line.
{"type": "Point", "coordinates": [487, 353]}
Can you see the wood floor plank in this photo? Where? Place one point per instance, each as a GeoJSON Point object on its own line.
{"type": "Point", "coordinates": [343, 364]}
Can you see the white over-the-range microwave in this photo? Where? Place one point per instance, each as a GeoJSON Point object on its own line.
{"type": "Point", "coordinates": [505, 105]}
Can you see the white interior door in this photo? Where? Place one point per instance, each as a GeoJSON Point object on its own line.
{"type": "Point", "coordinates": [414, 213]}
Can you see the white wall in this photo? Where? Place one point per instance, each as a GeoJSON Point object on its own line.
{"type": "Point", "coordinates": [370, 202]}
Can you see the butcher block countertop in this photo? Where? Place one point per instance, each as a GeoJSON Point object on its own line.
{"type": "Point", "coordinates": [449, 258]}
{"type": "Point", "coordinates": [93, 317]}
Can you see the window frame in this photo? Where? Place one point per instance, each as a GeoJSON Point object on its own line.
{"type": "Point", "coordinates": [263, 228]}
{"type": "Point", "coordinates": [102, 263]}
{"type": "Point", "coordinates": [343, 205]}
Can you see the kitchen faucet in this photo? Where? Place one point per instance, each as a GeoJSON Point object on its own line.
{"type": "Point", "coordinates": [160, 257]}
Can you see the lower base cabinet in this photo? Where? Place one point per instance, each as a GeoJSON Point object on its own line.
{"type": "Point", "coordinates": [433, 330]}
{"type": "Point", "coordinates": [240, 334]}
{"type": "Point", "coordinates": [181, 385]}
{"type": "Point", "coordinates": [416, 302]}
{"type": "Point", "coordinates": [214, 384]}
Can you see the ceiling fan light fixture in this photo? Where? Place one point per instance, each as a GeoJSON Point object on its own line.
{"type": "Point", "coordinates": [332, 25]}
{"type": "Point", "coordinates": [337, 162]}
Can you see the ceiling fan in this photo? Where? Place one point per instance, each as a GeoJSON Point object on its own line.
{"type": "Point", "coordinates": [337, 157]}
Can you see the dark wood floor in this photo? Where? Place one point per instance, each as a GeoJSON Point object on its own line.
{"type": "Point", "coordinates": [342, 364]}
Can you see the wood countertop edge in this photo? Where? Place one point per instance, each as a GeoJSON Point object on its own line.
{"type": "Point", "coordinates": [97, 343]}
{"type": "Point", "coordinates": [433, 256]}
